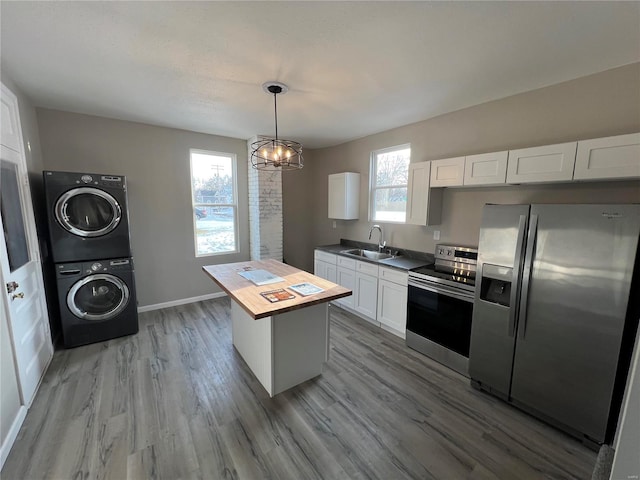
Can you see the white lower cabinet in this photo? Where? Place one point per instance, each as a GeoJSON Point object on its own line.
{"type": "Point", "coordinates": [366, 290]}
{"type": "Point", "coordinates": [324, 265]}
{"type": "Point", "coordinates": [392, 300]}
{"type": "Point", "coordinates": [346, 277]}
{"type": "Point", "coordinates": [379, 293]}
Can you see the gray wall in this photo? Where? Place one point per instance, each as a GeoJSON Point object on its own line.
{"type": "Point", "coordinates": [595, 106]}
{"type": "Point", "coordinates": [155, 161]}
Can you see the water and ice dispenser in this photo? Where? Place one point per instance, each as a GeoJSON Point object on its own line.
{"type": "Point", "coordinates": [495, 286]}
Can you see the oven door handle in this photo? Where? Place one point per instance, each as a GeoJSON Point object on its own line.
{"type": "Point", "coordinates": [413, 282]}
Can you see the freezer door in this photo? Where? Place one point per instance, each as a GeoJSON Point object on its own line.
{"type": "Point", "coordinates": [493, 325]}
{"type": "Point", "coordinates": [576, 286]}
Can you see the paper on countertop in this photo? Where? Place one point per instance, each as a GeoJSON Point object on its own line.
{"type": "Point", "coordinates": [305, 289]}
{"type": "Point", "coordinates": [260, 277]}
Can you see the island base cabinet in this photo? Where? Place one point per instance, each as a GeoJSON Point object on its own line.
{"type": "Point", "coordinates": [283, 350]}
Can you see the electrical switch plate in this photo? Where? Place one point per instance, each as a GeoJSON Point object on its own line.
{"type": "Point", "coordinates": [436, 234]}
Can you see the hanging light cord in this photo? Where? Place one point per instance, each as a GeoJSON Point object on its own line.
{"type": "Point", "coordinates": [275, 111]}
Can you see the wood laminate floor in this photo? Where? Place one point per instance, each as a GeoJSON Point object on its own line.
{"type": "Point", "coordinates": [176, 401]}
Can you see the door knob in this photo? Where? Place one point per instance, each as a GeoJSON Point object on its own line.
{"type": "Point", "coordinates": [17, 295]}
{"type": "Point", "coordinates": [12, 287]}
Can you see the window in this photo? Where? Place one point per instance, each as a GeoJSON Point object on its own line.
{"type": "Point", "coordinates": [214, 202]}
{"type": "Point", "coordinates": [389, 173]}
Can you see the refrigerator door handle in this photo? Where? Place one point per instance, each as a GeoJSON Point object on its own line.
{"type": "Point", "coordinates": [513, 313]}
{"type": "Point", "coordinates": [526, 274]}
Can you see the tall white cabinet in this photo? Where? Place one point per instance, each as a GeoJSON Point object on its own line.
{"type": "Point", "coordinates": [344, 196]}
{"type": "Point", "coordinates": [424, 204]}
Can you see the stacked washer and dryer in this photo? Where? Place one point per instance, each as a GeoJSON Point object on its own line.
{"type": "Point", "coordinates": [90, 248]}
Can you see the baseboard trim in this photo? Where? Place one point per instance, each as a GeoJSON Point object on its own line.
{"type": "Point", "coordinates": [182, 301]}
{"type": "Point", "coordinates": [12, 434]}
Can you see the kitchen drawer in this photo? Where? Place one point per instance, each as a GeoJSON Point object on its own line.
{"type": "Point", "coordinates": [324, 256]}
{"type": "Point", "coordinates": [367, 268]}
{"type": "Point", "coordinates": [393, 275]}
{"type": "Point", "coordinates": [346, 262]}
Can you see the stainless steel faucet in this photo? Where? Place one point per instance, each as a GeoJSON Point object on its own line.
{"type": "Point", "coordinates": [381, 243]}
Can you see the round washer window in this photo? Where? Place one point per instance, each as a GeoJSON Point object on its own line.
{"type": "Point", "coordinates": [98, 297]}
{"type": "Point", "coordinates": [88, 212]}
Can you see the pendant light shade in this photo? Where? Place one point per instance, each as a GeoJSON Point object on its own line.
{"type": "Point", "coordinates": [273, 153]}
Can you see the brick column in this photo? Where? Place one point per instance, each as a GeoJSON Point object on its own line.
{"type": "Point", "coordinates": [265, 212]}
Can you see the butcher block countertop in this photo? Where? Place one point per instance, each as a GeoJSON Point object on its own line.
{"type": "Point", "coordinates": [247, 294]}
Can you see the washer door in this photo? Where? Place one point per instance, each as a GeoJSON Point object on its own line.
{"type": "Point", "coordinates": [98, 297]}
{"type": "Point", "coordinates": [88, 212]}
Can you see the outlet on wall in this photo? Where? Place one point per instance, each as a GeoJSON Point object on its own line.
{"type": "Point", "coordinates": [436, 234]}
{"type": "Point", "coordinates": [334, 224]}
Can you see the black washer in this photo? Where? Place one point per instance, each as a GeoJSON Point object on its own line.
{"type": "Point", "coordinates": [97, 300]}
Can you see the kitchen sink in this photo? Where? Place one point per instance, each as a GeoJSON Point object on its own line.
{"type": "Point", "coordinates": [370, 254]}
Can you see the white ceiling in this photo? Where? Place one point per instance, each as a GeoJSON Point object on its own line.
{"type": "Point", "coordinates": [353, 68]}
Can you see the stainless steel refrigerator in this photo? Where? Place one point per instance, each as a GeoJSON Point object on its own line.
{"type": "Point", "coordinates": [555, 311]}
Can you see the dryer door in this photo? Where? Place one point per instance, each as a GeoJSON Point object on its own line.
{"type": "Point", "coordinates": [88, 212]}
{"type": "Point", "coordinates": [98, 297]}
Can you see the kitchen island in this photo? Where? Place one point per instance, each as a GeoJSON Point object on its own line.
{"type": "Point", "coordinates": [285, 342]}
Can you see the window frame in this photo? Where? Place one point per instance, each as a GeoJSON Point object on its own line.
{"type": "Point", "coordinates": [234, 205]}
{"type": "Point", "coordinates": [372, 181]}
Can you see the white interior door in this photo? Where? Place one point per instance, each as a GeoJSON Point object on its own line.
{"type": "Point", "coordinates": [20, 268]}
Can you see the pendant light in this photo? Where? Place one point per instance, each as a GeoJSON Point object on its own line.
{"type": "Point", "coordinates": [273, 153]}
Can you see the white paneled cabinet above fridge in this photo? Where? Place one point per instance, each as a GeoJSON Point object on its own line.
{"type": "Point", "coordinates": [609, 157]}
{"type": "Point", "coordinates": [549, 163]}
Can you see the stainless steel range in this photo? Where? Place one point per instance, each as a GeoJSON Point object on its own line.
{"type": "Point", "coordinates": [440, 306]}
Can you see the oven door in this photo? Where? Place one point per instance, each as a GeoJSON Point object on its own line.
{"type": "Point", "coordinates": [439, 323]}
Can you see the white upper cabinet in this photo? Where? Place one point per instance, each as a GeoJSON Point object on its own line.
{"type": "Point", "coordinates": [424, 205]}
{"type": "Point", "coordinates": [608, 158]}
{"type": "Point", "coordinates": [550, 163]}
{"type": "Point", "coordinates": [9, 120]}
{"type": "Point", "coordinates": [344, 196]}
{"type": "Point", "coordinates": [448, 172]}
{"type": "Point", "coordinates": [486, 168]}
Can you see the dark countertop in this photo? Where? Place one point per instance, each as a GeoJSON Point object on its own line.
{"type": "Point", "coordinates": [405, 259]}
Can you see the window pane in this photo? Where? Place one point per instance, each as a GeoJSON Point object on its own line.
{"type": "Point", "coordinates": [215, 230]}
{"type": "Point", "coordinates": [212, 177]}
{"type": "Point", "coordinates": [392, 167]}
{"type": "Point", "coordinates": [390, 204]}
{"type": "Point", "coordinates": [12, 220]}
{"type": "Point", "coordinates": [214, 202]}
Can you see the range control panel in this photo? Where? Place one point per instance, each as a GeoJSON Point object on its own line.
{"type": "Point", "coordinates": [456, 253]}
